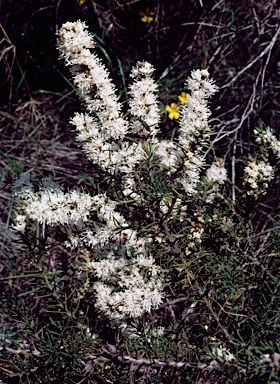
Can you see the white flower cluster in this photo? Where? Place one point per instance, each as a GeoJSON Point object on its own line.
{"type": "Point", "coordinates": [20, 223]}
{"type": "Point", "coordinates": [258, 175]}
{"type": "Point", "coordinates": [267, 138]}
{"type": "Point", "coordinates": [222, 353]}
{"type": "Point", "coordinates": [103, 130]}
{"type": "Point", "coordinates": [151, 334]}
{"type": "Point", "coordinates": [195, 114]}
{"type": "Point", "coordinates": [134, 275]}
{"type": "Point", "coordinates": [216, 173]}
{"type": "Point", "coordinates": [90, 74]}
{"type": "Point", "coordinates": [128, 280]}
{"type": "Point", "coordinates": [194, 129]}
{"type": "Point", "coordinates": [143, 102]}
{"type": "Point", "coordinates": [111, 226]}
{"type": "Point", "coordinates": [127, 288]}
{"type": "Point", "coordinates": [51, 206]}
{"type": "Point", "coordinates": [192, 167]}
{"type": "Point", "coordinates": [168, 152]}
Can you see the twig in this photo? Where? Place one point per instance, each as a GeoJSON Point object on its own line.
{"type": "Point", "coordinates": [233, 167]}
{"type": "Point", "coordinates": [248, 110]}
{"type": "Point", "coordinates": [211, 310]}
{"type": "Point", "coordinates": [264, 232]}
{"type": "Point", "coordinates": [256, 262]}
{"type": "Point", "coordinates": [20, 351]}
{"type": "Point", "coordinates": [56, 17]}
{"type": "Point", "coordinates": [234, 314]}
{"type": "Point", "coordinates": [155, 363]}
{"type": "Point", "coordinates": [267, 49]}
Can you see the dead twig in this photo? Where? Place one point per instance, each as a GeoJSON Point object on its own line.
{"type": "Point", "coordinates": [211, 310]}
{"type": "Point", "coordinates": [267, 49]}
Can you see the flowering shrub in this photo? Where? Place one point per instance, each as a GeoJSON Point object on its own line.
{"type": "Point", "coordinates": [165, 225]}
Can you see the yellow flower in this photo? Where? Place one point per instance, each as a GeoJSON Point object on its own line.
{"type": "Point", "coordinates": [173, 111]}
{"type": "Point", "coordinates": [183, 98]}
{"type": "Point", "coordinates": [147, 15]}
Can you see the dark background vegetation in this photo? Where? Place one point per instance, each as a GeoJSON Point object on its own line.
{"type": "Point", "coordinates": [229, 38]}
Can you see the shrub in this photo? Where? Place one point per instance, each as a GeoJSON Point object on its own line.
{"type": "Point", "coordinates": [161, 272]}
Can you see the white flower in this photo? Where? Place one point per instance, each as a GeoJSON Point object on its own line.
{"type": "Point", "coordinates": [164, 206]}
{"type": "Point", "coordinates": [195, 113]}
{"type": "Point", "coordinates": [265, 359]}
{"type": "Point", "coordinates": [87, 127]}
{"type": "Point", "coordinates": [90, 74]}
{"type": "Point", "coordinates": [127, 156]}
{"type": "Point", "coordinates": [143, 102]}
{"type": "Point", "coordinates": [53, 206]}
{"type": "Point", "coordinates": [269, 139]}
{"type": "Point", "coordinates": [192, 168]}
{"type": "Point", "coordinates": [129, 188]}
{"type": "Point", "coordinates": [168, 153]}
{"type": "Point", "coordinates": [159, 331]}
{"type": "Point", "coordinates": [258, 175]}
{"type": "Point", "coordinates": [104, 269]}
{"type": "Point", "coordinates": [20, 223]}
{"type": "Point", "coordinates": [223, 353]}
{"type": "Point", "coordinates": [74, 37]}
{"type": "Point", "coordinates": [216, 173]}
{"type": "Point", "coordinates": [136, 295]}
